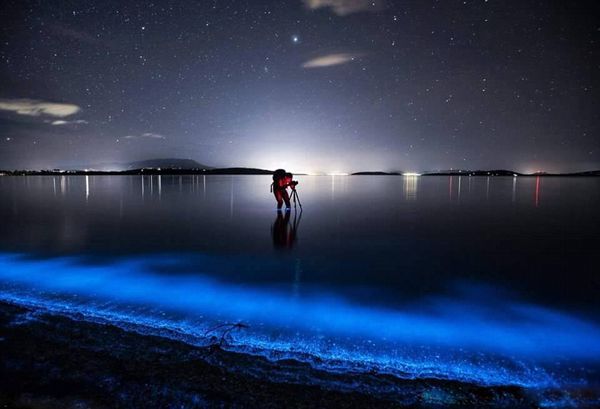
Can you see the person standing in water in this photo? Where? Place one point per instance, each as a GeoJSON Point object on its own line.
{"type": "Point", "coordinates": [281, 181]}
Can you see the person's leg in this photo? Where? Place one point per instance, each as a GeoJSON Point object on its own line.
{"type": "Point", "coordinates": [286, 198]}
{"type": "Point", "coordinates": [279, 199]}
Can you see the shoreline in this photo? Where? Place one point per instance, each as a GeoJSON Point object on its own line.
{"type": "Point", "coordinates": [264, 172]}
{"type": "Point", "coordinates": [62, 361]}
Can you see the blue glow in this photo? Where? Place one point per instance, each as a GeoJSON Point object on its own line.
{"type": "Point", "coordinates": [483, 339]}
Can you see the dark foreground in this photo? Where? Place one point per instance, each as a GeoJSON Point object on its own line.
{"type": "Point", "coordinates": [50, 361]}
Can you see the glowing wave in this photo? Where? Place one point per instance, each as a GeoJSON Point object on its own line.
{"type": "Point", "coordinates": [479, 339]}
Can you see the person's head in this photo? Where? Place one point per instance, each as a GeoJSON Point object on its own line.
{"type": "Point", "coordinates": [278, 175]}
{"type": "Point", "coordinates": [288, 177]}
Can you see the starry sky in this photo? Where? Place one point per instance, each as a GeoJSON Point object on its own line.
{"type": "Point", "coordinates": [310, 85]}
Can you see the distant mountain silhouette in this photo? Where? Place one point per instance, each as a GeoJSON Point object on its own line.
{"type": "Point", "coordinates": [239, 171]}
{"type": "Point", "coordinates": [374, 173]}
{"type": "Point", "coordinates": [176, 166]}
{"type": "Point", "coordinates": [587, 173]}
{"type": "Point", "coordinates": [491, 172]}
{"type": "Point", "coordinates": [169, 163]}
{"type": "Point", "coordinates": [161, 166]}
{"type": "Point", "coordinates": [163, 163]}
{"type": "Point", "coordinates": [463, 172]}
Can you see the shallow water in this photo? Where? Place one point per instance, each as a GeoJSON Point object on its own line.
{"type": "Point", "coordinates": [488, 280]}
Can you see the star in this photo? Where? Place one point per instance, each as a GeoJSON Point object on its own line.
{"type": "Point", "coordinates": [369, 63]}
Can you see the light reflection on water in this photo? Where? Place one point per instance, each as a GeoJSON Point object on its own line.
{"type": "Point", "coordinates": [369, 274]}
{"type": "Point", "coordinates": [404, 233]}
{"type": "Point", "coordinates": [410, 187]}
{"type": "Point", "coordinates": [338, 186]}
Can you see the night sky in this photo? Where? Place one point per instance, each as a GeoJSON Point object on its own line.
{"type": "Point", "coordinates": [310, 85]}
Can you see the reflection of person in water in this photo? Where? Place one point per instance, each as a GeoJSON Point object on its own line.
{"type": "Point", "coordinates": [284, 231]}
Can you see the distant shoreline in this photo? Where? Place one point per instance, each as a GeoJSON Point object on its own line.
{"type": "Point", "coordinates": [485, 173]}
{"type": "Point", "coordinates": [139, 172]}
{"type": "Point", "coordinates": [515, 174]}
{"type": "Point", "coordinates": [256, 171]}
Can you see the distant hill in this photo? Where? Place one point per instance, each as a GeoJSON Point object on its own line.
{"type": "Point", "coordinates": [493, 172]}
{"type": "Point", "coordinates": [148, 168]}
{"type": "Point", "coordinates": [586, 173]}
{"type": "Point", "coordinates": [169, 163]}
{"type": "Point", "coordinates": [163, 163]}
{"type": "Point", "coordinates": [504, 172]}
{"type": "Point", "coordinates": [239, 171]}
{"type": "Point", "coordinates": [174, 166]}
{"type": "Point", "coordinates": [374, 173]}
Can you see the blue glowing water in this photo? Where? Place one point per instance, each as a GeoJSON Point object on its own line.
{"type": "Point", "coordinates": [479, 280]}
{"type": "Point", "coordinates": [475, 336]}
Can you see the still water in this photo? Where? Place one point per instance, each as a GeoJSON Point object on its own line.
{"type": "Point", "coordinates": [490, 280]}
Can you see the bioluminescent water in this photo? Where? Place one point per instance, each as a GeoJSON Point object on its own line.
{"type": "Point", "coordinates": [483, 280]}
{"type": "Point", "coordinates": [474, 336]}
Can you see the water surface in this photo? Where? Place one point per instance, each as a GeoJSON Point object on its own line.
{"type": "Point", "coordinates": [489, 280]}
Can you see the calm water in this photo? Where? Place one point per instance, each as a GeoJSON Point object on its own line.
{"type": "Point", "coordinates": [492, 280]}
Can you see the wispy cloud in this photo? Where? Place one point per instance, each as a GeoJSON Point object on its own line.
{"type": "Point", "coordinates": [330, 60]}
{"type": "Point", "coordinates": [345, 7]}
{"type": "Point", "coordinates": [63, 122]}
{"type": "Point", "coordinates": [146, 135]}
{"type": "Point", "coordinates": [33, 107]}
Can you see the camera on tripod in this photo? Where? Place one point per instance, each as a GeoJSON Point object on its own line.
{"type": "Point", "coordinates": [281, 181]}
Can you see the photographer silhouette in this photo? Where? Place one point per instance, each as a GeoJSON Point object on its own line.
{"type": "Point", "coordinates": [281, 181]}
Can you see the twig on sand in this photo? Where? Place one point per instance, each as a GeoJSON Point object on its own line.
{"type": "Point", "coordinates": [226, 329]}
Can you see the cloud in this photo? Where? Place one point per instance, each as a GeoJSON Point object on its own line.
{"type": "Point", "coordinates": [63, 122]}
{"type": "Point", "coordinates": [33, 107]}
{"type": "Point", "coordinates": [330, 60]}
{"type": "Point", "coordinates": [148, 135]}
{"type": "Point", "coordinates": [345, 7]}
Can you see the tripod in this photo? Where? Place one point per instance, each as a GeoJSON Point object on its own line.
{"type": "Point", "coordinates": [295, 198]}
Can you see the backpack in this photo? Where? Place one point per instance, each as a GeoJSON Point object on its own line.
{"type": "Point", "coordinates": [277, 176]}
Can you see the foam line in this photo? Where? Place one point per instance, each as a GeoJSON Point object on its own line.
{"type": "Point", "coordinates": [480, 339]}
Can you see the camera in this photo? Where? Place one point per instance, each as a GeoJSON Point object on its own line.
{"type": "Point", "coordinates": [293, 183]}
